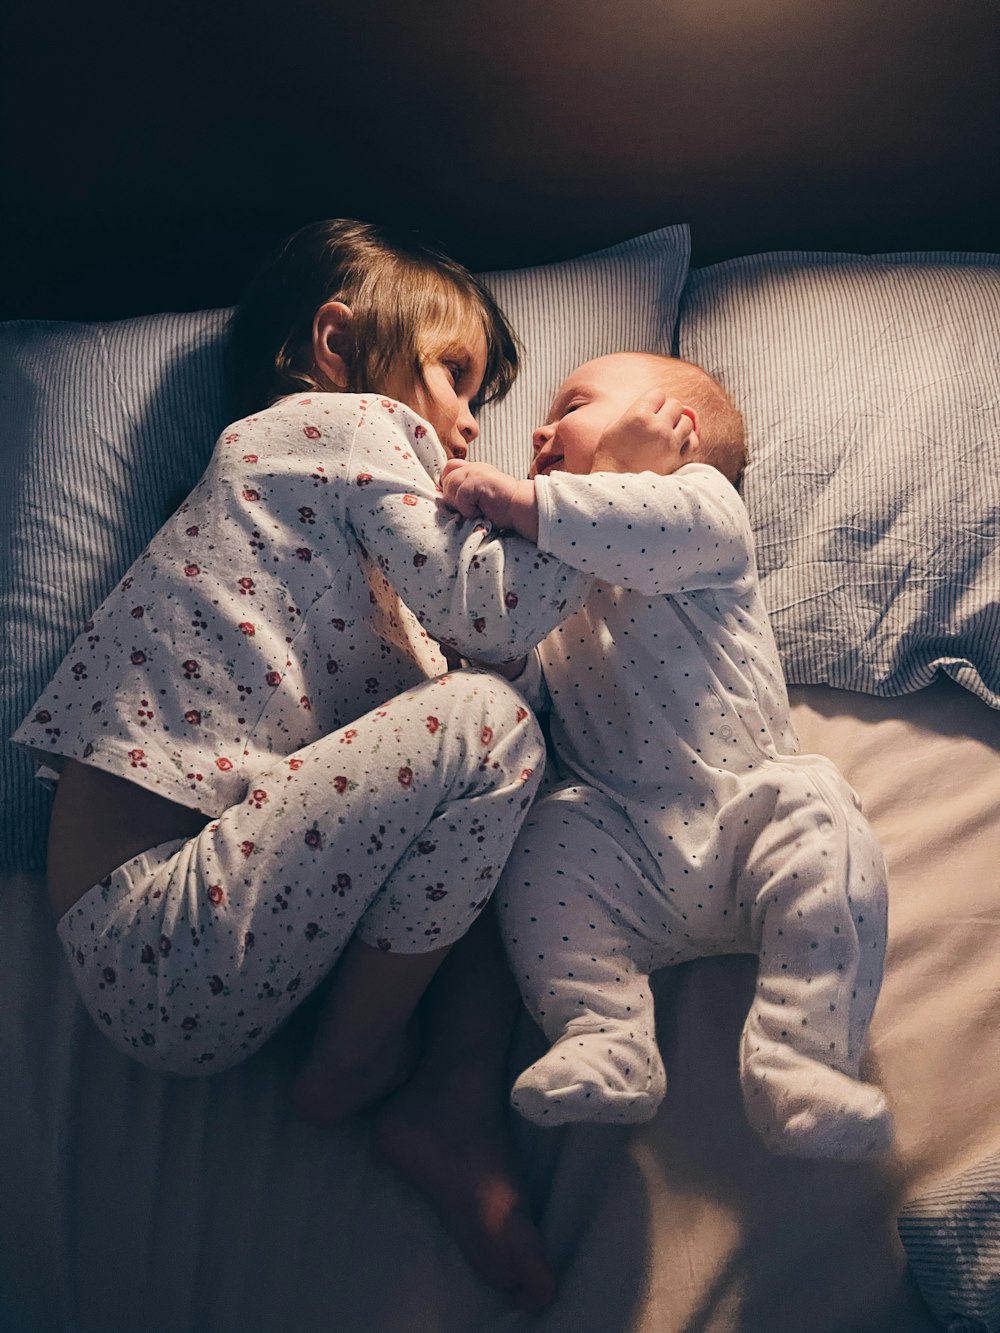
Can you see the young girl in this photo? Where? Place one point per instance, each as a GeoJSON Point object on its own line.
{"type": "Point", "coordinates": [261, 768]}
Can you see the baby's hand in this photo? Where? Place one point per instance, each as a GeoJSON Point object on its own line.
{"type": "Point", "coordinates": [655, 434]}
{"type": "Point", "coordinates": [479, 490]}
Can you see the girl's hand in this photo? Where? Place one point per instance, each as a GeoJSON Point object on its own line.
{"type": "Point", "coordinates": [478, 490]}
{"type": "Point", "coordinates": [655, 434]}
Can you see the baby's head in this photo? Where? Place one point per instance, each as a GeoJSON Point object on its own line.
{"type": "Point", "coordinates": [384, 305]}
{"type": "Point", "coordinates": [597, 393]}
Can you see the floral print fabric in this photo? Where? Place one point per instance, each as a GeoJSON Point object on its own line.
{"type": "Point", "coordinates": [395, 827]}
{"type": "Point", "coordinates": [266, 613]}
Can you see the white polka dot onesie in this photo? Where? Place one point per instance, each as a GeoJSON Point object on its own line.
{"type": "Point", "coordinates": [687, 826]}
{"type": "Point", "coordinates": [257, 664]}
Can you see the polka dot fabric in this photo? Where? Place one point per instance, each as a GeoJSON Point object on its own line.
{"type": "Point", "coordinates": [667, 679]}
{"type": "Point", "coordinates": [688, 827]}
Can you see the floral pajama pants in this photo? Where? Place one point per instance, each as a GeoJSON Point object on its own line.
{"type": "Point", "coordinates": [395, 828]}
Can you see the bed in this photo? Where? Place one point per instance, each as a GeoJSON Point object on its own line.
{"type": "Point", "coordinates": [137, 1203]}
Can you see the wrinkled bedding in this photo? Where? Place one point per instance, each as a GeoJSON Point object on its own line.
{"type": "Point", "coordinates": [133, 1203]}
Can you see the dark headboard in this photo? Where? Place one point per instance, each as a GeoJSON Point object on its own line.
{"type": "Point", "coordinates": [154, 152]}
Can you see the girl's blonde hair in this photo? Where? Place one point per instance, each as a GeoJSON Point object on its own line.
{"type": "Point", "coordinates": [409, 301]}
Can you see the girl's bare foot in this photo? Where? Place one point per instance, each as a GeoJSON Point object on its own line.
{"type": "Point", "coordinates": [451, 1142]}
{"type": "Point", "coordinates": [330, 1089]}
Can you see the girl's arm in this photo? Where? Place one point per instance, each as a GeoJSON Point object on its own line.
{"type": "Point", "coordinates": [492, 596]}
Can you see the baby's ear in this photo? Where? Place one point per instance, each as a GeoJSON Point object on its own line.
{"type": "Point", "coordinates": [333, 343]}
{"type": "Point", "coordinates": [690, 450]}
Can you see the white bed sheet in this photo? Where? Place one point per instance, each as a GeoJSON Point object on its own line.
{"type": "Point", "coordinates": [132, 1203]}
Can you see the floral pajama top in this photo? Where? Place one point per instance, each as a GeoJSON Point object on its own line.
{"type": "Point", "coordinates": [302, 582]}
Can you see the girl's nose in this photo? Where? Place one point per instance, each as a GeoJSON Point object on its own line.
{"type": "Point", "coordinates": [468, 428]}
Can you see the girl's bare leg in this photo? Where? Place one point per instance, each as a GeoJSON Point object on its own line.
{"type": "Point", "coordinates": [446, 1128]}
{"type": "Point", "coordinates": [366, 1042]}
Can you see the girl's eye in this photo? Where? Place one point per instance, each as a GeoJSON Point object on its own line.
{"type": "Point", "coordinates": [455, 371]}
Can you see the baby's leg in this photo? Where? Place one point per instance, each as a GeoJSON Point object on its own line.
{"type": "Point", "coordinates": [816, 890]}
{"type": "Point", "coordinates": [396, 826]}
{"type": "Point", "coordinates": [574, 907]}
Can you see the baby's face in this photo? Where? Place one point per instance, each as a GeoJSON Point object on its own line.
{"type": "Point", "coordinates": [594, 395]}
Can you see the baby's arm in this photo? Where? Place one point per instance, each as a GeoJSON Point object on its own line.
{"type": "Point", "coordinates": [479, 490]}
{"type": "Point", "coordinates": [650, 534]}
{"type": "Point", "coordinates": [654, 434]}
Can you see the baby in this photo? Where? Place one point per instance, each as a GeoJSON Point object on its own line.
{"type": "Point", "coordinates": [686, 824]}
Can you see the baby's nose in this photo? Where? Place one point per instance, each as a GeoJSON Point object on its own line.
{"type": "Point", "coordinates": [540, 438]}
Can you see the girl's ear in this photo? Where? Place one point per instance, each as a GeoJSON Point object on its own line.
{"type": "Point", "coordinates": [333, 344]}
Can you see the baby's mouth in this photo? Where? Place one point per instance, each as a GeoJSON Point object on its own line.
{"type": "Point", "coordinates": [542, 466]}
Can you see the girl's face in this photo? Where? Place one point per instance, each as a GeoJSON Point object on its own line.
{"type": "Point", "coordinates": [453, 376]}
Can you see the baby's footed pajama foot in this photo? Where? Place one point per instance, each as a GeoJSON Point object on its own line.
{"type": "Point", "coordinates": [600, 1072]}
{"type": "Point", "coordinates": [801, 1107]}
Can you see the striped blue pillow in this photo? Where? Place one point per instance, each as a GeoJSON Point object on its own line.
{"type": "Point", "coordinates": [870, 386]}
{"type": "Point", "coordinates": [105, 427]}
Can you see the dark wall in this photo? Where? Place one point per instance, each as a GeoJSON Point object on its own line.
{"type": "Point", "coordinates": [152, 152]}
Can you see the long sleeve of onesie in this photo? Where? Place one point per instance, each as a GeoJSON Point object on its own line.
{"type": "Point", "coordinates": [646, 533]}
